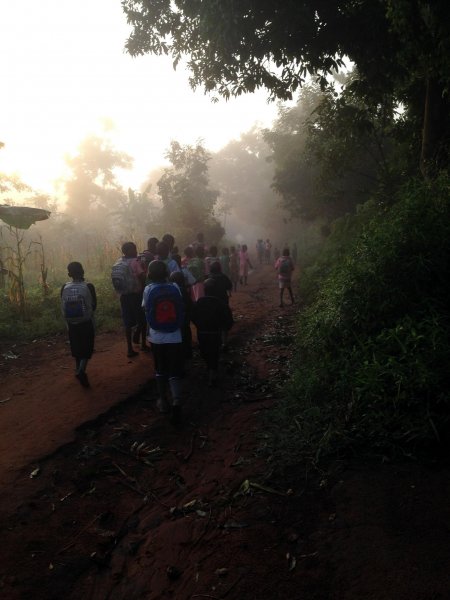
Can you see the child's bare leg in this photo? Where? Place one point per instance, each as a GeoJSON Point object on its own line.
{"type": "Point", "coordinates": [143, 332]}
{"type": "Point", "coordinates": [162, 404]}
{"type": "Point", "coordinates": [130, 351]}
{"type": "Point", "coordinates": [81, 373]}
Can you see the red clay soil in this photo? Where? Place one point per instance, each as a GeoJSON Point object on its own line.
{"type": "Point", "coordinates": [102, 498]}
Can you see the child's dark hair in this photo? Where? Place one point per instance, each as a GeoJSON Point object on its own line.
{"type": "Point", "coordinates": [129, 249]}
{"type": "Point", "coordinates": [151, 244]}
{"type": "Point", "coordinates": [215, 268]}
{"type": "Point", "coordinates": [213, 251]}
{"type": "Point", "coordinates": [189, 252]}
{"type": "Point", "coordinates": [286, 252]}
{"type": "Point", "coordinates": [200, 252]}
{"type": "Point", "coordinates": [162, 250]}
{"type": "Point", "coordinates": [75, 270]}
{"type": "Point", "coordinates": [168, 239]}
{"type": "Point", "coordinates": [157, 271]}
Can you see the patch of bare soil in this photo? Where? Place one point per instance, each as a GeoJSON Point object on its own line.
{"type": "Point", "coordinates": [102, 498]}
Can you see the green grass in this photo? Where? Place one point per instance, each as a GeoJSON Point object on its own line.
{"type": "Point", "coordinates": [44, 312]}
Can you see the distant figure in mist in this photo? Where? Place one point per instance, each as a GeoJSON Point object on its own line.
{"type": "Point", "coordinates": [276, 253]}
{"type": "Point", "coordinates": [199, 241]}
{"type": "Point", "coordinates": [260, 251]}
{"type": "Point", "coordinates": [225, 262]}
{"type": "Point", "coordinates": [268, 251]}
{"type": "Point", "coordinates": [211, 258]}
{"type": "Point", "coordinates": [78, 304]}
{"type": "Point", "coordinates": [244, 264]}
{"type": "Point", "coordinates": [234, 267]}
{"type": "Point", "coordinates": [168, 239]}
{"type": "Point", "coordinates": [284, 267]}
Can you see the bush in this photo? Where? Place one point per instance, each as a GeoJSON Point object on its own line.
{"type": "Point", "coordinates": [44, 313]}
{"type": "Point", "coordinates": [373, 345]}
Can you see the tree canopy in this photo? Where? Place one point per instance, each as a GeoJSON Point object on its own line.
{"type": "Point", "coordinates": [400, 47]}
{"type": "Point", "coordinates": [93, 183]}
{"type": "Point", "coordinates": [188, 201]}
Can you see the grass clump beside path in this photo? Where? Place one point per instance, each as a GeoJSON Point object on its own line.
{"type": "Point", "coordinates": [43, 316]}
{"type": "Point", "coordinates": [373, 347]}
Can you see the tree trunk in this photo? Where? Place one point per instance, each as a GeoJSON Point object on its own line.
{"type": "Point", "coordinates": [435, 133]}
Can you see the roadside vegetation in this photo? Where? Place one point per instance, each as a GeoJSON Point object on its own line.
{"type": "Point", "coordinates": [43, 317]}
{"type": "Point", "coordinates": [371, 371]}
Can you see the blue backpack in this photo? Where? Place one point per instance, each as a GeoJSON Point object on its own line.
{"type": "Point", "coordinates": [164, 307]}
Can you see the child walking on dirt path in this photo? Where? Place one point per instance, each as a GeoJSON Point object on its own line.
{"type": "Point", "coordinates": [128, 279]}
{"type": "Point", "coordinates": [163, 305]}
{"type": "Point", "coordinates": [211, 317]}
{"type": "Point", "coordinates": [78, 304]}
{"type": "Point", "coordinates": [244, 265]}
{"type": "Point", "coordinates": [284, 267]}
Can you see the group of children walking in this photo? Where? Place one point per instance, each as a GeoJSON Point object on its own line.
{"type": "Point", "coordinates": [161, 293]}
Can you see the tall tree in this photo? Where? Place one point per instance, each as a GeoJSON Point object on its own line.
{"type": "Point", "coordinates": [243, 175]}
{"type": "Point", "coordinates": [188, 201]}
{"type": "Point", "coordinates": [93, 183]}
{"type": "Point", "coordinates": [294, 178]}
{"type": "Point", "coordinates": [136, 214]}
{"type": "Point", "coordinates": [332, 150]}
{"type": "Point", "coordinates": [400, 46]}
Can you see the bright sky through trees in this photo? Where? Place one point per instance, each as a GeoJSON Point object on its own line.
{"type": "Point", "coordinates": [65, 75]}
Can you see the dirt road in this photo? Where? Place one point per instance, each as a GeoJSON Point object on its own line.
{"type": "Point", "coordinates": [123, 505]}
